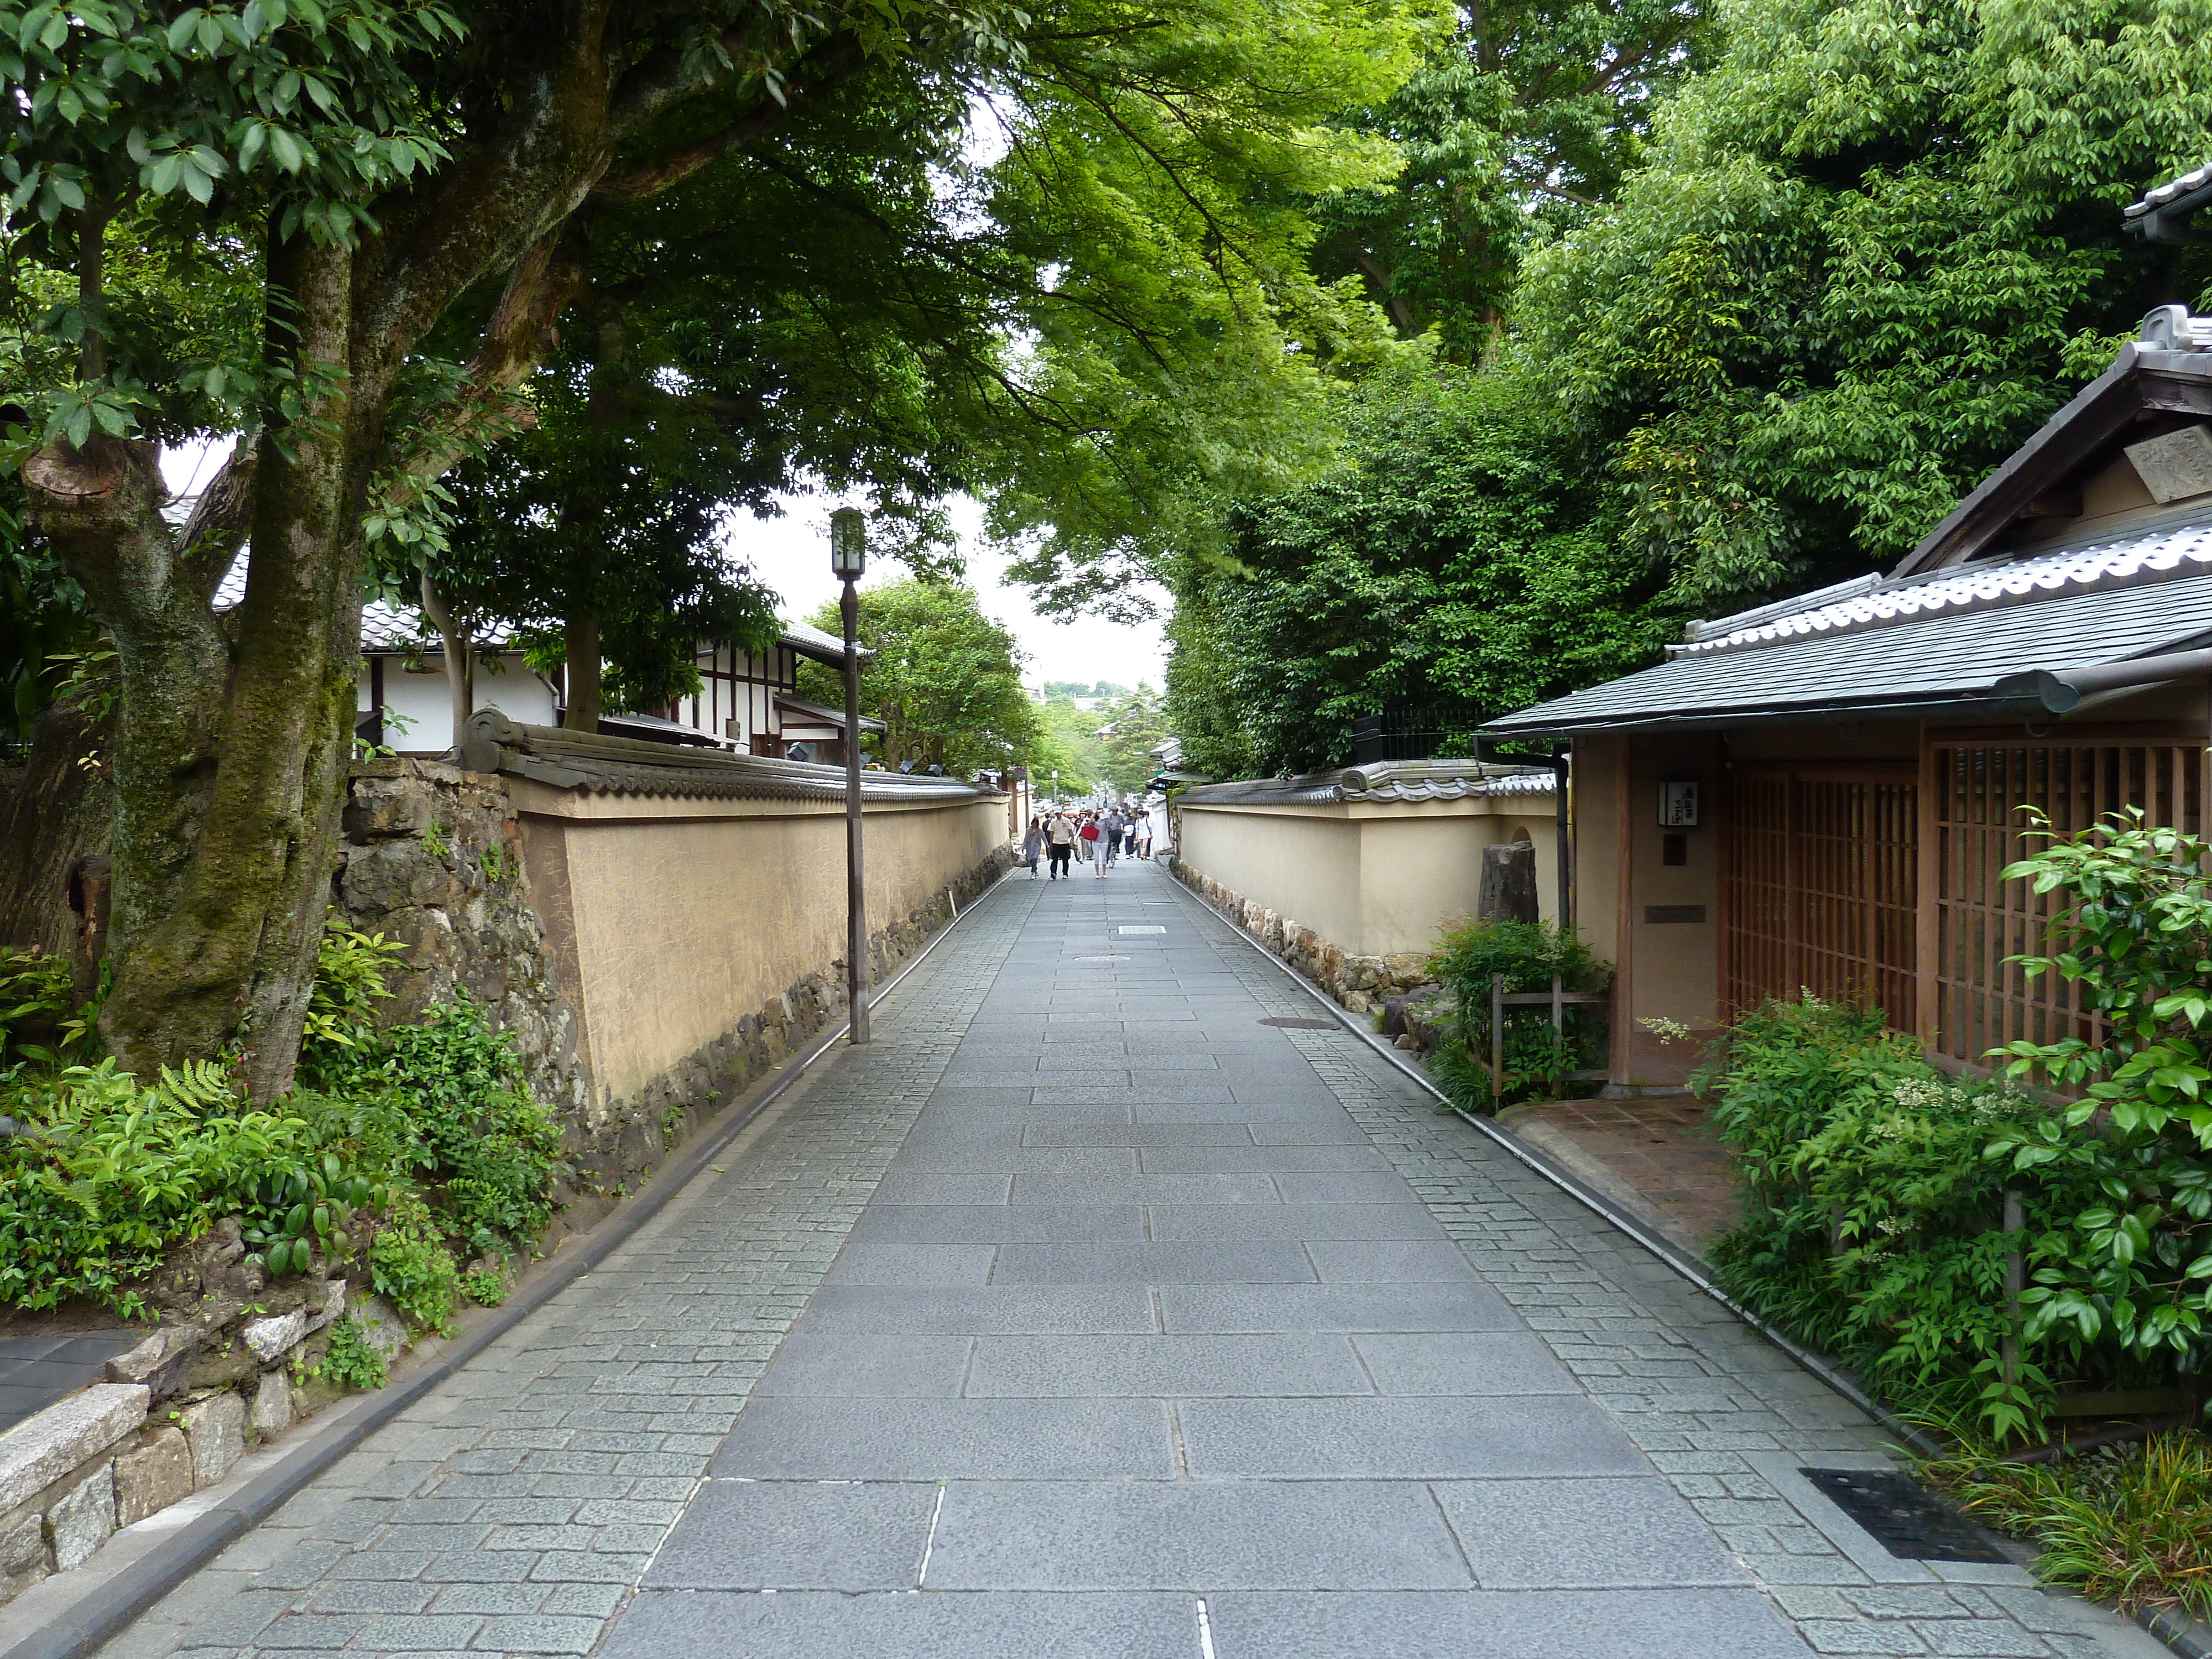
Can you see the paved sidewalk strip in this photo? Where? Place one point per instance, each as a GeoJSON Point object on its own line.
{"type": "Point", "coordinates": [1085, 1317]}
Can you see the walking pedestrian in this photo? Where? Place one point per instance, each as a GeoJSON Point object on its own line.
{"type": "Point", "coordinates": [1090, 836]}
{"type": "Point", "coordinates": [1032, 845]}
{"type": "Point", "coordinates": [1060, 843]}
{"type": "Point", "coordinates": [1144, 838]}
{"type": "Point", "coordinates": [1129, 835]}
{"type": "Point", "coordinates": [1110, 835]}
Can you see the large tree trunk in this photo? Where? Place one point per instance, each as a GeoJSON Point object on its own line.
{"type": "Point", "coordinates": [228, 753]}
{"type": "Point", "coordinates": [582, 646]}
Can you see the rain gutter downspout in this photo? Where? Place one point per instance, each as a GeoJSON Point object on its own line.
{"type": "Point", "coordinates": [2062, 690]}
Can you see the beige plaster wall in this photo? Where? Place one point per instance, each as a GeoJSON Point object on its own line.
{"type": "Point", "coordinates": [1372, 879]}
{"type": "Point", "coordinates": [682, 920]}
{"type": "Point", "coordinates": [1304, 865]}
{"type": "Point", "coordinates": [1662, 970]}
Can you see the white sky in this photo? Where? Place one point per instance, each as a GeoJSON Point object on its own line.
{"type": "Point", "coordinates": [790, 554]}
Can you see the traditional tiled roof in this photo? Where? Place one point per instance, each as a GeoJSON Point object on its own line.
{"type": "Point", "coordinates": [1935, 644]}
{"type": "Point", "coordinates": [2172, 190]}
{"type": "Point", "coordinates": [598, 764]}
{"type": "Point", "coordinates": [809, 641]}
{"type": "Point", "coordinates": [2146, 555]}
{"type": "Point", "coordinates": [821, 714]}
{"type": "Point", "coordinates": [1383, 781]}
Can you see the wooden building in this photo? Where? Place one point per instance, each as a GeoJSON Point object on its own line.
{"type": "Point", "coordinates": [1820, 792]}
{"type": "Point", "coordinates": [745, 703]}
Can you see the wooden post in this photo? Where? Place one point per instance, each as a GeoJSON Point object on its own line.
{"type": "Point", "coordinates": [2015, 1282]}
{"type": "Point", "coordinates": [1928, 811]}
{"type": "Point", "coordinates": [1563, 841]}
{"type": "Point", "coordinates": [1624, 921]}
{"type": "Point", "coordinates": [1496, 1041]}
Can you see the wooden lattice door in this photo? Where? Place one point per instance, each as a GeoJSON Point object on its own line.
{"type": "Point", "coordinates": [1822, 876]}
{"type": "Point", "coordinates": [1980, 793]}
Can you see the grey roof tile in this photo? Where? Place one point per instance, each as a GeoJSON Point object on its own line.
{"type": "Point", "coordinates": [1385, 780]}
{"type": "Point", "coordinates": [1948, 656]}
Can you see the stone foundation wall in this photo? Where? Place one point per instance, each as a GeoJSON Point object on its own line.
{"type": "Point", "coordinates": [1361, 983]}
{"type": "Point", "coordinates": [232, 1364]}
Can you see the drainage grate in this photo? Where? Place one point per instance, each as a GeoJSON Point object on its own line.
{"type": "Point", "coordinates": [1301, 1024]}
{"type": "Point", "coordinates": [1140, 930]}
{"type": "Point", "coordinates": [1906, 1519]}
{"type": "Point", "coordinates": [1105, 958]}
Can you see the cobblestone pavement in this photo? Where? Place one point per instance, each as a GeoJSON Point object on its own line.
{"type": "Point", "coordinates": [1145, 1337]}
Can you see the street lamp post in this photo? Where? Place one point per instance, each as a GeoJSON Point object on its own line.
{"type": "Point", "coordinates": [848, 557]}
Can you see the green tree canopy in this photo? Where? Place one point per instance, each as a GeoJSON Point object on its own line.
{"type": "Point", "coordinates": [942, 678]}
{"type": "Point", "coordinates": [1869, 254]}
{"type": "Point", "coordinates": [1459, 553]}
{"type": "Point", "coordinates": [1135, 725]}
{"type": "Point", "coordinates": [408, 199]}
{"type": "Point", "coordinates": [1520, 127]}
{"type": "Point", "coordinates": [1854, 265]}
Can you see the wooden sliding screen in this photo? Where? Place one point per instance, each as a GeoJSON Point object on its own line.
{"type": "Point", "coordinates": [1976, 1000]}
{"type": "Point", "coordinates": [1822, 876]}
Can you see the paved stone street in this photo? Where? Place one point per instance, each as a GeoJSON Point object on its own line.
{"type": "Point", "coordinates": [1086, 1316]}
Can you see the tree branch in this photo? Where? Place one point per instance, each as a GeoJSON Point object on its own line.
{"type": "Point", "coordinates": [663, 79]}
{"type": "Point", "coordinates": [1401, 312]}
{"type": "Point", "coordinates": [221, 519]}
{"type": "Point", "coordinates": [837, 59]}
{"type": "Point", "coordinates": [1564, 194]}
{"type": "Point", "coordinates": [522, 330]}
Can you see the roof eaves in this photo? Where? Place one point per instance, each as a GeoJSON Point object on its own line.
{"type": "Point", "coordinates": [597, 764]}
{"type": "Point", "coordinates": [1965, 706]}
{"type": "Point", "coordinates": [811, 642]}
{"type": "Point", "coordinates": [2162, 215]}
{"type": "Point", "coordinates": [823, 713]}
{"type": "Point", "coordinates": [2164, 372]}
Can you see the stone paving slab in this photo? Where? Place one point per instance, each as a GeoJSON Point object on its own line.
{"type": "Point", "coordinates": [1085, 1316]}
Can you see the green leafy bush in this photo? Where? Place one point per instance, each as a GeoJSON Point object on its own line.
{"type": "Point", "coordinates": [1871, 1213]}
{"type": "Point", "coordinates": [2126, 1267]}
{"type": "Point", "coordinates": [100, 1177]}
{"type": "Point", "coordinates": [1875, 1186]}
{"type": "Point", "coordinates": [349, 968]}
{"type": "Point", "coordinates": [295, 1213]}
{"type": "Point", "coordinates": [351, 1361]}
{"type": "Point", "coordinates": [1529, 955]}
{"type": "Point", "coordinates": [37, 999]}
{"type": "Point", "coordinates": [463, 1116]}
{"type": "Point", "coordinates": [105, 1174]}
{"type": "Point", "coordinates": [485, 1287]}
{"type": "Point", "coordinates": [409, 1262]}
